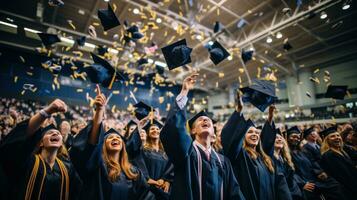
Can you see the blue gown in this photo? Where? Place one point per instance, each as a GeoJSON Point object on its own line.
{"type": "Point", "coordinates": [259, 183]}
{"type": "Point", "coordinates": [17, 160]}
{"type": "Point", "coordinates": [182, 153]}
{"type": "Point", "coordinates": [87, 158]}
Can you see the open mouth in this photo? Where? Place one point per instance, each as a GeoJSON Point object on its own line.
{"type": "Point", "coordinates": [115, 142]}
{"type": "Point", "coordinates": [254, 138]}
{"type": "Point", "coordinates": [54, 139]}
{"type": "Point", "coordinates": [205, 126]}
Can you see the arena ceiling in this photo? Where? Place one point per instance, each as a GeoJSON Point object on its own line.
{"type": "Point", "coordinates": [246, 24]}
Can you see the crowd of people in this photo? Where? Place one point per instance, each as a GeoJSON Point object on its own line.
{"type": "Point", "coordinates": [58, 152]}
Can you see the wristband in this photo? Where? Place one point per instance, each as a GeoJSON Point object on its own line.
{"type": "Point", "coordinates": [44, 114]}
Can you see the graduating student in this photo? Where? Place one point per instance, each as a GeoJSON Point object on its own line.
{"type": "Point", "coordinates": [200, 172]}
{"type": "Point", "coordinates": [311, 177]}
{"type": "Point", "coordinates": [35, 160]}
{"type": "Point", "coordinates": [337, 163]}
{"type": "Point", "coordinates": [129, 128]}
{"type": "Point", "coordinates": [312, 148]}
{"type": "Point", "coordinates": [102, 161]}
{"type": "Point", "coordinates": [153, 161]}
{"type": "Point", "coordinates": [252, 166]}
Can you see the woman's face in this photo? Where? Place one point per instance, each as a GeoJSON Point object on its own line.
{"type": "Point", "coordinates": [279, 142]}
{"type": "Point", "coordinates": [113, 143]}
{"type": "Point", "coordinates": [52, 139]}
{"type": "Point", "coordinates": [131, 129]}
{"type": "Point", "coordinates": [154, 132]}
{"type": "Point", "coordinates": [334, 140]}
{"type": "Point", "coordinates": [143, 135]}
{"type": "Point", "coordinates": [252, 137]}
{"type": "Point", "coordinates": [213, 138]}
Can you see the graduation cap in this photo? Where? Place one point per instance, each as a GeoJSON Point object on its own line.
{"type": "Point", "coordinates": [160, 70]}
{"type": "Point", "coordinates": [108, 18]}
{"type": "Point", "coordinates": [260, 127]}
{"type": "Point", "coordinates": [328, 131]}
{"type": "Point", "coordinates": [278, 131]}
{"type": "Point", "coordinates": [193, 119]}
{"type": "Point", "coordinates": [241, 23]}
{"type": "Point", "coordinates": [48, 128]}
{"type": "Point", "coordinates": [293, 130]}
{"type": "Point", "coordinates": [177, 54]}
{"type": "Point", "coordinates": [135, 34]}
{"type": "Point", "coordinates": [113, 131]}
{"type": "Point", "coordinates": [130, 123]}
{"type": "Point", "coordinates": [102, 49]}
{"type": "Point", "coordinates": [336, 91]}
{"type": "Point", "coordinates": [102, 72]}
{"type": "Point", "coordinates": [153, 122]}
{"type": "Point", "coordinates": [49, 39]}
{"type": "Point", "coordinates": [217, 27]}
{"type": "Point", "coordinates": [287, 46]}
{"type": "Point", "coordinates": [308, 131]}
{"type": "Point", "coordinates": [217, 53]}
{"type": "Point", "coordinates": [261, 94]}
{"type": "Point", "coordinates": [247, 55]}
{"type": "Point", "coordinates": [142, 110]}
{"type": "Point", "coordinates": [142, 61]}
{"type": "Point", "coordinates": [81, 41]}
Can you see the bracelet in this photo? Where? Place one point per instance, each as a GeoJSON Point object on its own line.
{"type": "Point", "coordinates": [44, 114]}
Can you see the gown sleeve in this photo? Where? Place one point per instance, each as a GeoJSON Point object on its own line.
{"type": "Point", "coordinates": [232, 135]}
{"type": "Point", "coordinates": [174, 137]}
{"type": "Point", "coordinates": [18, 145]}
{"type": "Point", "coordinates": [268, 138]}
{"type": "Point", "coordinates": [133, 144]}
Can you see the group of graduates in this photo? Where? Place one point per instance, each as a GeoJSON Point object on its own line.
{"type": "Point", "coordinates": [178, 159]}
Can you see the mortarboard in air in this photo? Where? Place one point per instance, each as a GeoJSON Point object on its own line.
{"type": "Point", "coordinates": [49, 39]}
{"type": "Point", "coordinates": [102, 72]}
{"type": "Point", "coordinates": [142, 61]}
{"type": "Point", "coordinates": [134, 32]}
{"type": "Point", "coordinates": [108, 18]}
{"type": "Point", "coordinates": [328, 131]}
{"type": "Point", "coordinates": [217, 53]}
{"type": "Point", "coordinates": [177, 54]}
{"type": "Point", "coordinates": [308, 131]}
{"type": "Point", "coordinates": [241, 23]}
{"type": "Point", "coordinates": [142, 110]}
{"type": "Point", "coordinates": [292, 130]}
{"type": "Point", "coordinates": [217, 27]}
{"type": "Point", "coordinates": [153, 122]}
{"type": "Point", "coordinates": [102, 49]}
{"type": "Point", "coordinates": [193, 119]}
{"type": "Point", "coordinates": [160, 70]}
{"type": "Point", "coordinates": [287, 46]}
{"type": "Point", "coordinates": [261, 94]}
{"type": "Point", "coordinates": [247, 55]}
{"type": "Point", "coordinates": [336, 91]}
{"type": "Point", "coordinates": [81, 41]}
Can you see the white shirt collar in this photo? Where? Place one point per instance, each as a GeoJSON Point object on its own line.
{"type": "Point", "coordinates": [209, 149]}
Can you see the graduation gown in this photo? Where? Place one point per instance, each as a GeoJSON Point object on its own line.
{"type": "Point", "coordinates": [286, 186]}
{"type": "Point", "coordinates": [87, 159]}
{"type": "Point", "coordinates": [312, 152]}
{"type": "Point", "coordinates": [190, 162]}
{"type": "Point", "coordinates": [343, 170]}
{"type": "Point", "coordinates": [154, 164]}
{"type": "Point", "coordinates": [19, 146]}
{"type": "Point", "coordinates": [259, 183]}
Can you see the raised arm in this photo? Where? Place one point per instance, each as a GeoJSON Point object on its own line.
{"type": "Point", "coordinates": [268, 133]}
{"type": "Point", "coordinates": [100, 102]}
{"type": "Point", "coordinates": [174, 136]}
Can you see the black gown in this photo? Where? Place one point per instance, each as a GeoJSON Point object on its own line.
{"type": "Point", "coordinates": [343, 170]}
{"type": "Point", "coordinates": [87, 159]}
{"type": "Point", "coordinates": [308, 172]}
{"type": "Point", "coordinates": [188, 160]}
{"type": "Point", "coordinates": [259, 183]}
{"type": "Point", "coordinates": [17, 145]}
{"type": "Point", "coordinates": [284, 172]}
{"type": "Point", "coordinates": [153, 164]}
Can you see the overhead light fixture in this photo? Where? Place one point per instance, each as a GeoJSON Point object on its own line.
{"type": "Point", "coordinates": [82, 12]}
{"type": "Point", "coordinates": [199, 37]}
{"type": "Point", "coordinates": [269, 40]}
{"type": "Point", "coordinates": [161, 64]}
{"type": "Point", "coordinates": [230, 58]}
{"type": "Point", "coordinates": [323, 15]}
{"type": "Point", "coordinates": [210, 43]}
{"type": "Point", "coordinates": [8, 24]}
{"type": "Point", "coordinates": [158, 20]}
{"type": "Point", "coordinates": [31, 30]}
{"type": "Point", "coordinates": [279, 35]}
{"type": "Point", "coordinates": [136, 11]}
{"type": "Point", "coordinates": [346, 5]}
{"type": "Point", "coordinates": [106, 0]}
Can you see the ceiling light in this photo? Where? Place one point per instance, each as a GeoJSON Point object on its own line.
{"type": "Point", "coordinates": [269, 40]}
{"type": "Point", "coordinates": [8, 24]}
{"type": "Point", "coordinates": [323, 15]}
{"type": "Point", "coordinates": [346, 5]}
{"type": "Point", "coordinates": [230, 58]}
{"type": "Point", "coordinates": [136, 11]}
{"type": "Point", "coordinates": [161, 64]}
{"type": "Point", "coordinates": [210, 43]}
{"type": "Point", "coordinates": [158, 20]}
{"type": "Point", "coordinates": [279, 35]}
{"type": "Point", "coordinates": [31, 30]}
{"type": "Point", "coordinates": [106, 0]}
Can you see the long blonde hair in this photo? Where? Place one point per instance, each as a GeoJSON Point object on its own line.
{"type": "Point", "coordinates": [115, 166]}
{"type": "Point", "coordinates": [149, 143]}
{"type": "Point", "coordinates": [258, 151]}
{"type": "Point", "coordinates": [285, 154]}
{"type": "Point", "coordinates": [325, 147]}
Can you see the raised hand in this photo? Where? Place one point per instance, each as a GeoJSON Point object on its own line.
{"type": "Point", "coordinates": [188, 83]}
{"type": "Point", "coordinates": [272, 108]}
{"type": "Point", "coordinates": [239, 102]}
{"type": "Point", "coordinates": [100, 99]}
{"type": "Point", "coordinates": [56, 106]}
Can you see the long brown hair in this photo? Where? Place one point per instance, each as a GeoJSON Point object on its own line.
{"type": "Point", "coordinates": [149, 142]}
{"type": "Point", "coordinates": [285, 154]}
{"type": "Point", "coordinates": [115, 166]}
{"type": "Point", "coordinates": [258, 151]}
